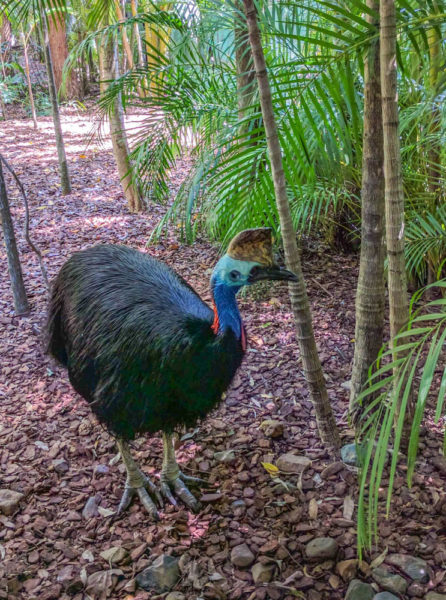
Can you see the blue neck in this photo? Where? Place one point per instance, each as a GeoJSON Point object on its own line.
{"type": "Point", "coordinates": [227, 309]}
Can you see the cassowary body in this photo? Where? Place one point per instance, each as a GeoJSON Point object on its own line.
{"type": "Point", "coordinates": [143, 348]}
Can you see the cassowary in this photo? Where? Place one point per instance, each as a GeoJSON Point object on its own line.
{"type": "Point", "coordinates": [146, 352]}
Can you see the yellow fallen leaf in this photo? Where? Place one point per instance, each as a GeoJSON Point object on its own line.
{"type": "Point", "coordinates": [82, 156]}
{"type": "Point", "coordinates": [270, 469]}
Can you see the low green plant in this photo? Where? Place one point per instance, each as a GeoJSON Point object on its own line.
{"type": "Point", "coordinates": [415, 365]}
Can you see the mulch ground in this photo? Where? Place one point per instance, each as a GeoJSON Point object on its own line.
{"type": "Point", "coordinates": [54, 452]}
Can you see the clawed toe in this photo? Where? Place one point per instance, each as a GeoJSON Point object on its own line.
{"type": "Point", "coordinates": [146, 500]}
{"type": "Point", "coordinates": [177, 487]}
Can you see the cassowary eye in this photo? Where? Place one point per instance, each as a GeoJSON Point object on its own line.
{"type": "Point", "coordinates": [234, 275]}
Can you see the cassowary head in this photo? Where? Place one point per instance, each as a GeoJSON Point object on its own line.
{"type": "Point", "coordinates": [249, 259]}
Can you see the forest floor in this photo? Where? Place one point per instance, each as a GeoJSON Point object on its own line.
{"type": "Point", "coordinates": [53, 451]}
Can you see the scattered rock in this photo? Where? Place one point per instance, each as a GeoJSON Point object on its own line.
{"type": "Point", "coordinates": [272, 428]}
{"type": "Point", "coordinates": [332, 469]}
{"type": "Point", "coordinates": [161, 576]}
{"type": "Point", "coordinates": [211, 497]}
{"type": "Point", "coordinates": [69, 579]}
{"type": "Point", "coordinates": [241, 556]}
{"type": "Point", "coordinates": [60, 466]}
{"type": "Point", "coordinates": [91, 508]}
{"type": "Point", "coordinates": [349, 455]}
{"type": "Point", "coordinates": [357, 590]}
{"type": "Point", "coordinates": [262, 573]}
{"type": "Point", "coordinates": [321, 548]}
{"type": "Point", "coordinates": [290, 463]}
{"type": "Point", "coordinates": [101, 584]}
{"type": "Point", "coordinates": [347, 569]}
{"type": "Point", "coordinates": [389, 581]}
{"type": "Point", "coordinates": [435, 596]}
{"type": "Point", "coordinates": [175, 596]}
{"type": "Point", "coordinates": [85, 427]}
{"type": "Point", "coordinates": [101, 469]}
{"type": "Point", "coordinates": [225, 456]}
{"type": "Point", "coordinates": [413, 567]}
{"type": "Point", "coordinates": [9, 501]}
{"type": "Point", "coordinates": [115, 555]}
{"type": "Point", "coordinates": [385, 596]}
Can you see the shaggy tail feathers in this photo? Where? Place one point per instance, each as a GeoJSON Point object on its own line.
{"type": "Point", "coordinates": [54, 335]}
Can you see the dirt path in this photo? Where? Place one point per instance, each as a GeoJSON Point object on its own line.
{"type": "Point", "coordinates": [53, 451]}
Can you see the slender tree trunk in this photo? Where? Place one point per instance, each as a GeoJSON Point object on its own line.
{"type": "Point", "coordinates": [434, 152]}
{"type": "Point", "coordinates": [125, 39]}
{"type": "Point", "coordinates": [15, 271]}
{"type": "Point", "coordinates": [394, 197]}
{"type": "Point", "coordinates": [63, 166]}
{"type": "Point", "coordinates": [243, 61]}
{"type": "Point", "coordinates": [118, 136]}
{"type": "Point", "coordinates": [370, 294]}
{"type": "Point", "coordinates": [59, 54]}
{"type": "Point", "coordinates": [137, 32]}
{"type": "Point", "coordinates": [28, 80]}
{"type": "Point", "coordinates": [299, 300]}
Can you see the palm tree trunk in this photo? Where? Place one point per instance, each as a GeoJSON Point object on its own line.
{"type": "Point", "coordinates": [298, 295]}
{"type": "Point", "coordinates": [137, 32]}
{"type": "Point", "coordinates": [15, 271]}
{"type": "Point", "coordinates": [394, 196]}
{"type": "Point", "coordinates": [243, 62]}
{"type": "Point", "coordinates": [370, 293]}
{"type": "Point", "coordinates": [107, 65]}
{"type": "Point", "coordinates": [28, 80]}
{"type": "Point", "coordinates": [63, 166]}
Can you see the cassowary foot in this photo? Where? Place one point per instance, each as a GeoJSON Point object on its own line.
{"type": "Point", "coordinates": [176, 486]}
{"type": "Point", "coordinates": [144, 492]}
{"type": "Point", "coordinates": [138, 484]}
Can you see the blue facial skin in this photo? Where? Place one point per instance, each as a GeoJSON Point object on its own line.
{"type": "Point", "coordinates": [228, 277]}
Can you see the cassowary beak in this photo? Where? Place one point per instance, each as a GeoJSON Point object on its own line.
{"type": "Point", "coordinates": [274, 273]}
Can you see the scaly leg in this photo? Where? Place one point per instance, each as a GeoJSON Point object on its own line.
{"type": "Point", "coordinates": [137, 483]}
{"type": "Point", "coordinates": [172, 479]}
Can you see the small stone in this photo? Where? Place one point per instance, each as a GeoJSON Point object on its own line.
{"type": "Point", "coordinates": [101, 583]}
{"type": "Point", "coordinates": [115, 555]}
{"type": "Point", "coordinates": [413, 567]}
{"type": "Point", "coordinates": [175, 596]}
{"type": "Point", "coordinates": [290, 463]}
{"type": "Point", "coordinates": [90, 509]}
{"type": "Point", "coordinates": [226, 456]}
{"type": "Point", "coordinates": [241, 556]}
{"type": "Point", "coordinates": [85, 427]}
{"type": "Point", "coordinates": [349, 455]}
{"type": "Point", "coordinates": [389, 581]}
{"type": "Point", "coordinates": [9, 501]}
{"type": "Point", "coordinates": [101, 469]}
{"type": "Point", "coordinates": [60, 466]}
{"type": "Point", "coordinates": [161, 576]}
{"type": "Point", "coordinates": [332, 469]}
{"type": "Point", "coordinates": [211, 497]}
{"type": "Point", "coordinates": [347, 569]}
{"type": "Point", "coordinates": [435, 596]}
{"type": "Point", "coordinates": [321, 548]}
{"type": "Point", "coordinates": [272, 428]}
{"type": "Point", "coordinates": [262, 573]}
{"type": "Point", "coordinates": [238, 504]}
{"type": "Point", "coordinates": [357, 590]}
{"type": "Point", "coordinates": [385, 596]}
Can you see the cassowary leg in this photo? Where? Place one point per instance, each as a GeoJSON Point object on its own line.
{"type": "Point", "coordinates": [173, 482]}
{"type": "Point", "coordinates": [137, 483]}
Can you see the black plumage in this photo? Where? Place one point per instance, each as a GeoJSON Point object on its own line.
{"type": "Point", "coordinates": [137, 341]}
